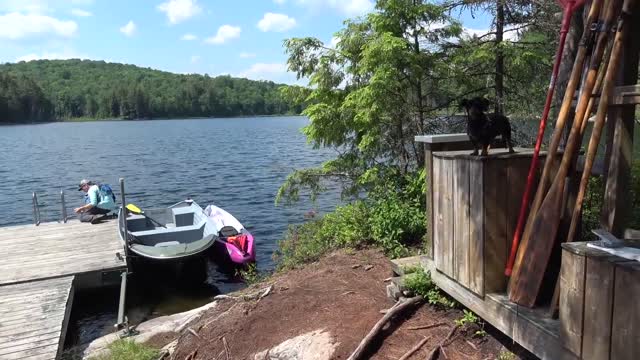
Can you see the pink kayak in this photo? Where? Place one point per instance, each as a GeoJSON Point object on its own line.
{"type": "Point", "coordinates": [234, 241]}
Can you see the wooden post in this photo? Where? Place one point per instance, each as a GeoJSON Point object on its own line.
{"type": "Point", "coordinates": [615, 207]}
{"type": "Point", "coordinates": [434, 143]}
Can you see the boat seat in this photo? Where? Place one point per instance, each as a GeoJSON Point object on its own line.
{"type": "Point", "coordinates": [162, 235]}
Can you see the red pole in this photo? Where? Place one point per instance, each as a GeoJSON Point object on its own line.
{"type": "Point", "coordinates": [569, 7]}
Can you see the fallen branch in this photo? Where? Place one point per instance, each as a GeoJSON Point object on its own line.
{"type": "Point", "coordinates": [440, 347]}
{"type": "Point", "coordinates": [193, 332]}
{"type": "Point", "coordinates": [472, 345]}
{"type": "Point", "coordinates": [427, 326]}
{"type": "Point", "coordinates": [219, 316]}
{"type": "Point", "coordinates": [226, 347]}
{"type": "Point", "coordinates": [396, 309]}
{"type": "Point", "coordinates": [415, 348]}
{"type": "Point", "coordinates": [256, 295]}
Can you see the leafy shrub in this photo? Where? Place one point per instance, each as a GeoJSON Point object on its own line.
{"type": "Point", "coordinates": [391, 218]}
{"type": "Point", "coordinates": [420, 283]}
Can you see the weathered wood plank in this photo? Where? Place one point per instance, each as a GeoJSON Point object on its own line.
{"type": "Point", "coordinates": [461, 220]}
{"type": "Point", "coordinates": [438, 220]}
{"type": "Point", "coordinates": [534, 332]}
{"type": "Point", "coordinates": [572, 280]}
{"type": "Point", "coordinates": [625, 336]}
{"type": "Point", "coordinates": [495, 224]}
{"type": "Point", "coordinates": [476, 227]}
{"type": "Point", "coordinates": [47, 320]}
{"type": "Point", "coordinates": [447, 214]}
{"type": "Point", "coordinates": [598, 307]}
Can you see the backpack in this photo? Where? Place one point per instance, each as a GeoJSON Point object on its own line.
{"type": "Point", "coordinates": [106, 189]}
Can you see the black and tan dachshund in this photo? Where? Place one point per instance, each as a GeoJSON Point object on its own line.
{"type": "Point", "coordinates": [482, 128]}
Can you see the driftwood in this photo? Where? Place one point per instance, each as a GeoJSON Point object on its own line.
{"type": "Point", "coordinates": [257, 295]}
{"type": "Point", "coordinates": [415, 348]}
{"type": "Point", "coordinates": [440, 347]}
{"type": "Point", "coordinates": [427, 326]}
{"type": "Point", "coordinates": [396, 309]}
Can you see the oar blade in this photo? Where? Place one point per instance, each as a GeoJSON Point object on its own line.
{"type": "Point", "coordinates": [532, 260]}
{"type": "Point", "coordinates": [134, 209]}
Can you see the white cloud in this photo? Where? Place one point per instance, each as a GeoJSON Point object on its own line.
{"type": "Point", "coordinates": [276, 22]}
{"type": "Point", "coordinates": [189, 37]}
{"type": "Point", "coordinates": [40, 6]}
{"type": "Point", "coordinates": [81, 13]}
{"type": "Point", "coordinates": [345, 7]}
{"type": "Point", "coordinates": [195, 59]}
{"type": "Point", "coordinates": [225, 33]}
{"type": "Point", "coordinates": [53, 56]}
{"type": "Point", "coordinates": [128, 29]}
{"type": "Point", "coordinates": [262, 71]}
{"type": "Point", "coordinates": [334, 42]}
{"type": "Point", "coordinates": [179, 10]}
{"type": "Point", "coordinates": [509, 33]}
{"type": "Point", "coordinates": [247, 55]}
{"type": "Point", "coordinates": [15, 26]}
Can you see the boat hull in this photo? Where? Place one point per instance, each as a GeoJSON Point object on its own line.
{"type": "Point", "coordinates": [226, 249]}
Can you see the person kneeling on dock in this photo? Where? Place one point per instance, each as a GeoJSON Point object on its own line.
{"type": "Point", "coordinates": [99, 202]}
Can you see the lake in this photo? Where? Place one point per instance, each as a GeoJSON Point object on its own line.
{"type": "Point", "coordinates": [237, 164]}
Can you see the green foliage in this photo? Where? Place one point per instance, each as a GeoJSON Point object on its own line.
{"type": "Point", "coordinates": [592, 204]}
{"type": "Point", "coordinates": [506, 355]}
{"type": "Point", "coordinates": [420, 283]}
{"type": "Point", "coordinates": [251, 275]}
{"type": "Point", "coordinates": [391, 218]}
{"type": "Point", "coordinates": [46, 90]}
{"type": "Point", "coordinates": [124, 349]}
{"type": "Point", "coordinates": [467, 319]}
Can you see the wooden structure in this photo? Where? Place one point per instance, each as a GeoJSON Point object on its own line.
{"type": "Point", "coordinates": [599, 318]}
{"type": "Point", "coordinates": [475, 207]}
{"type": "Point", "coordinates": [473, 211]}
{"type": "Point", "coordinates": [42, 267]}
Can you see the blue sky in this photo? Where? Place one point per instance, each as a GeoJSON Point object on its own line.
{"type": "Point", "coordinates": [237, 37]}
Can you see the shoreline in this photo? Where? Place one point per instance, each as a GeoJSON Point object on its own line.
{"type": "Point", "coordinates": [79, 120]}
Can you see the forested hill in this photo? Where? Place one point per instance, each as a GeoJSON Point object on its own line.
{"type": "Point", "coordinates": [48, 90]}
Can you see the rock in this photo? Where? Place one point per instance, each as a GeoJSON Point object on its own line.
{"type": "Point", "coordinates": [368, 267]}
{"type": "Point", "coordinates": [315, 345]}
{"type": "Point", "coordinates": [172, 323]}
{"type": "Point", "coordinates": [355, 266]}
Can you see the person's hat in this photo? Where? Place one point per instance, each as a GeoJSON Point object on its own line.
{"type": "Point", "coordinates": [83, 183]}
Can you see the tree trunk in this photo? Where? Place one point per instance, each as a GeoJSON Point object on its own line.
{"type": "Point", "coordinates": [499, 77]}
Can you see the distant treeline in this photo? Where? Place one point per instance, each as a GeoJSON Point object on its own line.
{"type": "Point", "coordinates": [48, 90]}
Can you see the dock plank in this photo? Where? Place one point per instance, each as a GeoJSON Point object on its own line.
{"type": "Point", "coordinates": [53, 250]}
{"type": "Point", "coordinates": [48, 320]}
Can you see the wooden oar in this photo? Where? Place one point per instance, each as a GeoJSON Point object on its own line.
{"type": "Point", "coordinates": [553, 305]}
{"type": "Point", "coordinates": [586, 46]}
{"type": "Point", "coordinates": [603, 105]}
{"type": "Point", "coordinates": [527, 276]}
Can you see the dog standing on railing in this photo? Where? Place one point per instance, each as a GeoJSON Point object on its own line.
{"type": "Point", "coordinates": [482, 128]}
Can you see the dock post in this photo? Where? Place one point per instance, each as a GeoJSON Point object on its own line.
{"type": "Point", "coordinates": [122, 320]}
{"type": "Point", "coordinates": [36, 210]}
{"type": "Point", "coordinates": [64, 207]}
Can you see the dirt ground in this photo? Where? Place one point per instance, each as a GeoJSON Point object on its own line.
{"type": "Point", "coordinates": [343, 294]}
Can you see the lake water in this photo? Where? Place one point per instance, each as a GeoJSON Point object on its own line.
{"type": "Point", "coordinates": [237, 164]}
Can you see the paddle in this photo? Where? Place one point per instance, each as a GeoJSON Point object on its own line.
{"type": "Point", "coordinates": [569, 6]}
{"type": "Point", "coordinates": [586, 45]}
{"type": "Point", "coordinates": [527, 277]}
{"type": "Point", "coordinates": [136, 210]}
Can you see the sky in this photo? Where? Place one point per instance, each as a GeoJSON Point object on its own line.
{"type": "Point", "coordinates": [241, 38]}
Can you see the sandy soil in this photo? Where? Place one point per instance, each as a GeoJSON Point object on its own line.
{"type": "Point", "coordinates": [342, 294]}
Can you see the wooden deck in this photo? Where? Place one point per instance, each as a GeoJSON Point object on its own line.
{"type": "Point", "coordinates": [40, 269]}
{"type": "Point", "coordinates": [52, 250]}
{"type": "Point", "coordinates": [34, 317]}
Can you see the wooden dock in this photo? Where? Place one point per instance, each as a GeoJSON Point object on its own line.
{"type": "Point", "coordinates": [42, 267]}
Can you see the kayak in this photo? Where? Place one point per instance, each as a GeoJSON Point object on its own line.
{"type": "Point", "coordinates": [234, 241]}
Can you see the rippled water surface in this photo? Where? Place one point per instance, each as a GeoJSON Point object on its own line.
{"type": "Point", "coordinates": [237, 164]}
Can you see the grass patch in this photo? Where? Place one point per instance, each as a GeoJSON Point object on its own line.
{"type": "Point", "coordinates": [124, 349]}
